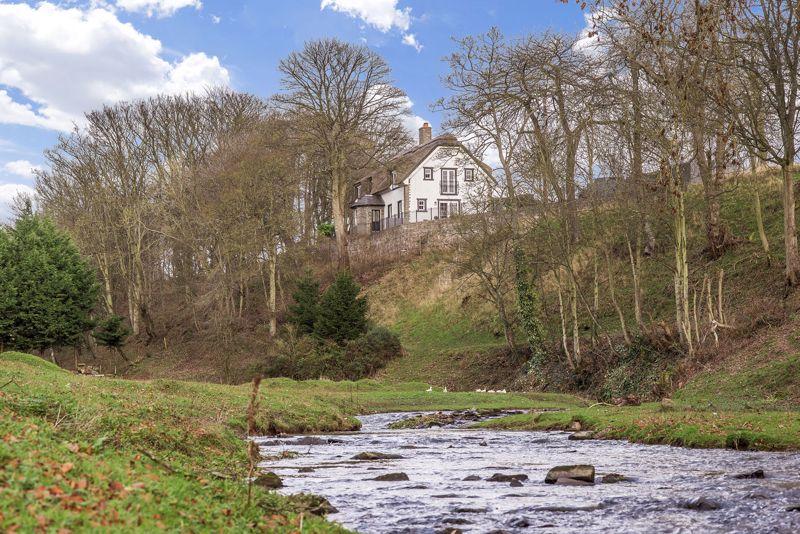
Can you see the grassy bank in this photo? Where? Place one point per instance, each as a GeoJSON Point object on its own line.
{"type": "Point", "coordinates": [83, 453]}
{"type": "Point", "coordinates": [752, 404]}
{"type": "Point", "coordinates": [681, 426]}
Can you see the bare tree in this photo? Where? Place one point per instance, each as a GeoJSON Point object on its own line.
{"type": "Point", "coordinates": [345, 105]}
{"type": "Point", "coordinates": [761, 96]}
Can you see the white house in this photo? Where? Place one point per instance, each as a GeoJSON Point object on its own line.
{"type": "Point", "coordinates": [432, 180]}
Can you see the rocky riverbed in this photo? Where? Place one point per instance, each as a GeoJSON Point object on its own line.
{"type": "Point", "coordinates": [452, 479]}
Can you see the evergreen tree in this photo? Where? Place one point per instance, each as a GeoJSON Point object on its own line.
{"type": "Point", "coordinates": [303, 313]}
{"type": "Point", "coordinates": [8, 299]}
{"type": "Point", "coordinates": [112, 333]}
{"type": "Point", "coordinates": [47, 290]}
{"type": "Point", "coordinates": [342, 313]}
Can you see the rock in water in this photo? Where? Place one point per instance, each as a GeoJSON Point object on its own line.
{"type": "Point", "coordinates": [376, 456]}
{"type": "Point", "coordinates": [793, 508]}
{"type": "Point", "coordinates": [613, 478]}
{"type": "Point", "coordinates": [268, 480]}
{"type": "Point", "coordinates": [392, 477]}
{"type": "Point", "coordinates": [516, 484]}
{"type": "Point", "coordinates": [471, 478]}
{"type": "Point", "coordinates": [313, 504]}
{"type": "Point", "coordinates": [575, 472]}
{"type": "Point", "coordinates": [499, 477]}
{"type": "Point", "coordinates": [703, 504]}
{"type": "Point", "coordinates": [582, 435]}
{"type": "Point", "coordinates": [758, 473]}
{"type": "Point", "coordinates": [306, 470]}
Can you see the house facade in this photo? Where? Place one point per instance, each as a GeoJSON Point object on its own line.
{"type": "Point", "coordinates": [433, 180]}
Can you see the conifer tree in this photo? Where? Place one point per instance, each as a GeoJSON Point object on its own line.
{"type": "Point", "coordinates": [47, 290]}
{"type": "Point", "coordinates": [303, 313]}
{"type": "Point", "coordinates": [342, 313]}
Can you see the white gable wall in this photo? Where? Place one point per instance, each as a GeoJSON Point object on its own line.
{"type": "Point", "coordinates": [430, 190]}
{"type": "Point", "coordinates": [390, 197]}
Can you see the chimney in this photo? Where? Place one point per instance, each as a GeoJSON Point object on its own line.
{"type": "Point", "coordinates": [424, 134]}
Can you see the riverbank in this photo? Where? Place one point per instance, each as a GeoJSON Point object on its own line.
{"type": "Point", "coordinates": [678, 424]}
{"type": "Point", "coordinates": [83, 453]}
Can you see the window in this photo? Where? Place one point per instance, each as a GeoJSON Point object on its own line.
{"type": "Point", "coordinates": [389, 211]}
{"type": "Point", "coordinates": [449, 184]}
{"type": "Point", "coordinates": [394, 178]}
{"type": "Point", "coordinates": [428, 173]}
{"type": "Point", "coordinates": [469, 175]}
{"type": "Point", "coordinates": [400, 209]}
{"type": "Point", "coordinates": [422, 204]}
{"type": "Point", "coordinates": [376, 220]}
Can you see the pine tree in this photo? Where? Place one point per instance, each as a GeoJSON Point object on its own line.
{"type": "Point", "coordinates": [47, 290]}
{"type": "Point", "coordinates": [303, 313]}
{"type": "Point", "coordinates": [112, 333]}
{"type": "Point", "coordinates": [342, 313]}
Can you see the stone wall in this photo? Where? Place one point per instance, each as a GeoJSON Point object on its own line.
{"type": "Point", "coordinates": [410, 239]}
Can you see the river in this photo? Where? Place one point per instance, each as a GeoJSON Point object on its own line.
{"type": "Point", "coordinates": [672, 489]}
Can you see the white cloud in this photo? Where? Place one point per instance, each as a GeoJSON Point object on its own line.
{"type": "Point", "coordinates": [215, 19]}
{"type": "Point", "coordinates": [21, 167]}
{"type": "Point", "coordinates": [411, 40]}
{"type": "Point", "coordinates": [381, 14]}
{"type": "Point", "coordinates": [7, 194]}
{"type": "Point", "coordinates": [67, 61]}
{"type": "Point", "coordinates": [158, 8]}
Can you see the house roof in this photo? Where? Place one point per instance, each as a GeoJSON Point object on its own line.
{"type": "Point", "coordinates": [368, 200]}
{"type": "Point", "coordinates": [404, 163]}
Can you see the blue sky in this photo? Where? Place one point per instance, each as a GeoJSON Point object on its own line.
{"type": "Point", "coordinates": [61, 58]}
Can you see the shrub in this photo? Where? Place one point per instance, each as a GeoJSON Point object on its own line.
{"type": "Point", "coordinates": [308, 358]}
{"type": "Point", "coordinates": [112, 333]}
{"type": "Point", "coordinates": [342, 313]}
{"type": "Point", "coordinates": [370, 353]}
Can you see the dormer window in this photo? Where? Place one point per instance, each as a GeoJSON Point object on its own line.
{"type": "Point", "coordinates": [428, 173]}
{"type": "Point", "coordinates": [394, 178]}
{"type": "Point", "coordinates": [469, 175]}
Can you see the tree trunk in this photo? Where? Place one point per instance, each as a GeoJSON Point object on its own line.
{"type": "Point", "coordinates": [613, 296]}
{"type": "Point", "coordinates": [338, 200]}
{"type": "Point", "coordinates": [715, 230]}
{"type": "Point", "coordinates": [790, 228]}
{"type": "Point", "coordinates": [576, 338]}
{"type": "Point", "coordinates": [273, 308]}
{"type": "Point", "coordinates": [762, 234]}
{"type": "Point", "coordinates": [636, 261]}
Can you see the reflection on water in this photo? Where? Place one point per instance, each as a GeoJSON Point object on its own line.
{"type": "Point", "coordinates": [437, 498]}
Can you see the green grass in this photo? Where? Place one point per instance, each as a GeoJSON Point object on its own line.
{"type": "Point", "coordinates": [769, 386]}
{"type": "Point", "coordinates": [90, 453]}
{"type": "Point", "coordinates": [682, 426]}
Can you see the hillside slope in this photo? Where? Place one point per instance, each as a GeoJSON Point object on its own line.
{"type": "Point", "coordinates": [452, 337]}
